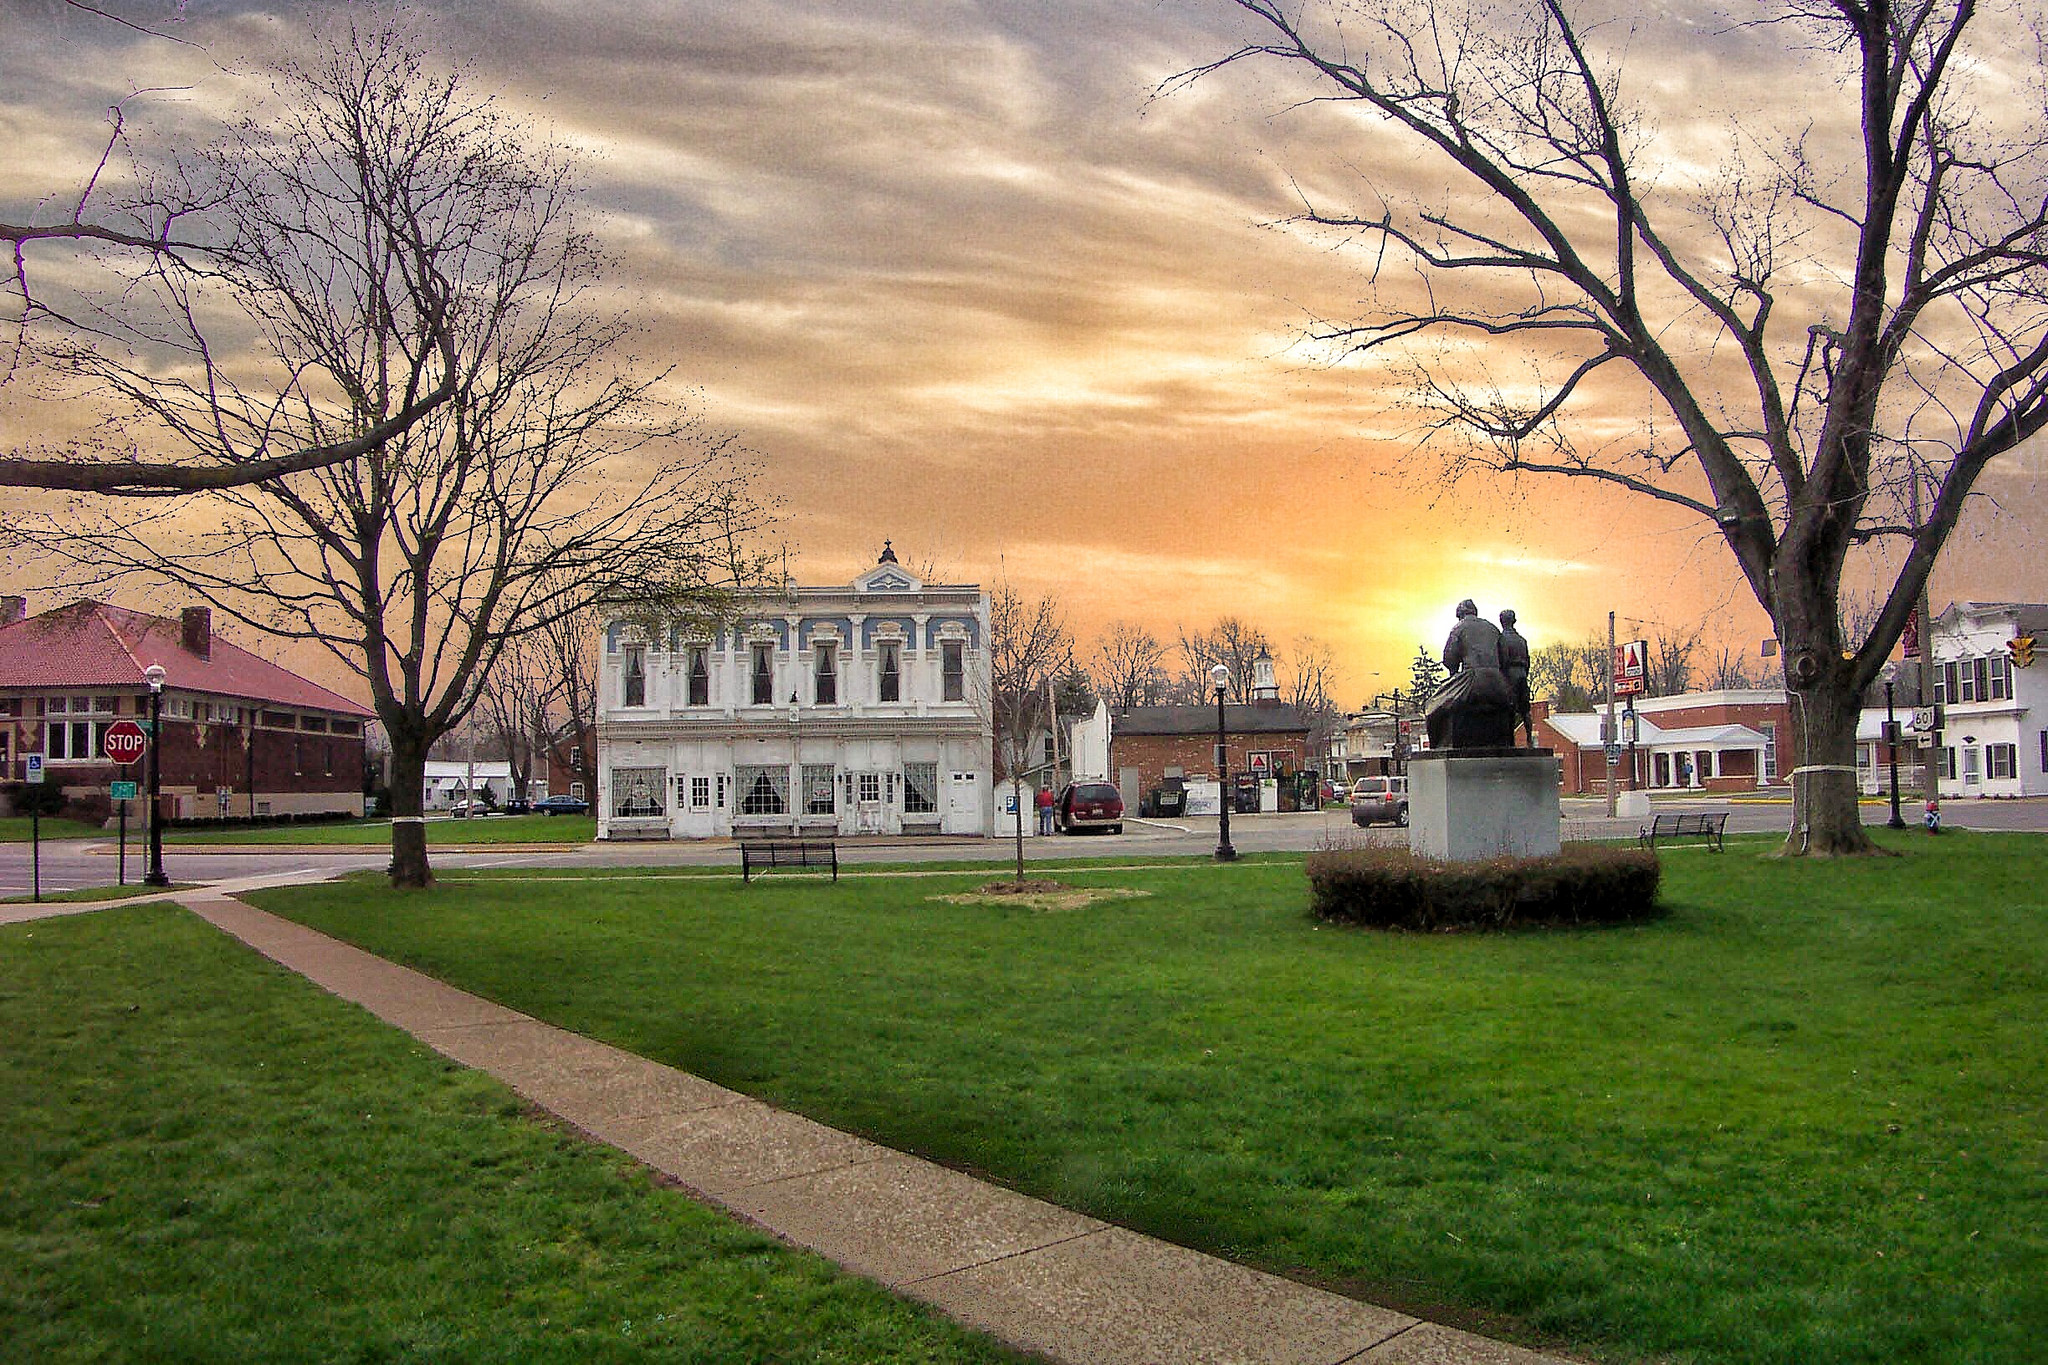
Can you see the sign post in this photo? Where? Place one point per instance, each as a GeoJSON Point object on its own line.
{"type": "Point", "coordinates": [123, 792]}
{"type": "Point", "coordinates": [35, 830]}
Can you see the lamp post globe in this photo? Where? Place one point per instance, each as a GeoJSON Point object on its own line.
{"type": "Point", "coordinates": [154, 674]}
{"type": "Point", "coordinates": [1219, 677]}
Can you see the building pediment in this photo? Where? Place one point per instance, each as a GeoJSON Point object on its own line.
{"type": "Point", "coordinates": [886, 578]}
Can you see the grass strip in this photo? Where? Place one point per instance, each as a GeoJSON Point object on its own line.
{"type": "Point", "coordinates": [1803, 1117]}
{"type": "Point", "coordinates": [207, 1158]}
{"type": "Point", "coordinates": [482, 831]}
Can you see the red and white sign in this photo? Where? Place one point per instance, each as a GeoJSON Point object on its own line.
{"type": "Point", "coordinates": [124, 741]}
{"type": "Point", "coordinates": [1631, 667]}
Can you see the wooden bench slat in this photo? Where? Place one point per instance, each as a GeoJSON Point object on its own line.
{"type": "Point", "coordinates": [787, 853]}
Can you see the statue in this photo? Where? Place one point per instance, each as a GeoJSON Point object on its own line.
{"type": "Point", "coordinates": [1475, 706]}
{"type": "Point", "coordinates": [1514, 662]}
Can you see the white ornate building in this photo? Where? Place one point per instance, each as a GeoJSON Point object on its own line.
{"type": "Point", "coordinates": [860, 709]}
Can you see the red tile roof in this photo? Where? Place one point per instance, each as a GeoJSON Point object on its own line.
{"type": "Point", "coordinates": [92, 644]}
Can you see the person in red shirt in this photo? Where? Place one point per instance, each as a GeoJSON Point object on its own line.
{"type": "Point", "coordinates": [1045, 810]}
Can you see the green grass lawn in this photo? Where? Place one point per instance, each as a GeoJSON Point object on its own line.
{"type": "Point", "coordinates": [487, 829]}
{"type": "Point", "coordinates": [1800, 1119]}
{"type": "Point", "coordinates": [96, 893]}
{"type": "Point", "coordinates": [207, 1158]}
{"type": "Point", "coordinates": [15, 829]}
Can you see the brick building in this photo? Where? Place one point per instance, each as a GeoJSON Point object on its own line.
{"type": "Point", "coordinates": [242, 736]}
{"type": "Point", "coordinates": [1149, 744]}
{"type": "Point", "coordinates": [1721, 741]}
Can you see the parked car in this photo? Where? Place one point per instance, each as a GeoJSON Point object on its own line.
{"type": "Point", "coordinates": [462, 810]}
{"type": "Point", "coordinates": [518, 806]}
{"type": "Point", "coordinates": [1379, 800]}
{"type": "Point", "coordinates": [1091, 805]}
{"type": "Point", "coordinates": [562, 805]}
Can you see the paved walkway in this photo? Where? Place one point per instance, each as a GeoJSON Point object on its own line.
{"type": "Point", "coordinates": [1039, 1277]}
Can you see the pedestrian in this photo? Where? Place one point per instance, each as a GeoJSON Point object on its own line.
{"type": "Point", "coordinates": [1044, 809]}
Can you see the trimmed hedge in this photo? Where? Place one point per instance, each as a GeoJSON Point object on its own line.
{"type": "Point", "coordinates": [1391, 888]}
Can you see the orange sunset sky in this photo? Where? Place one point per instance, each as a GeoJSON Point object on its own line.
{"type": "Point", "coordinates": [962, 278]}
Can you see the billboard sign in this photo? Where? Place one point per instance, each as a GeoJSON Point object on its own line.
{"type": "Point", "coordinates": [1631, 667]}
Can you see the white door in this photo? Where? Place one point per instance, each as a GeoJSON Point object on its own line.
{"type": "Point", "coordinates": [963, 803]}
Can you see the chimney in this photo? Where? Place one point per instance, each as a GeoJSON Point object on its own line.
{"type": "Point", "coordinates": [196, 631]}
{"type": "Point", "coordinates": [12, 609]}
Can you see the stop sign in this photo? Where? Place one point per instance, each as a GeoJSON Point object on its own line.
{"type": "Point", "coordinates": [124, 741]}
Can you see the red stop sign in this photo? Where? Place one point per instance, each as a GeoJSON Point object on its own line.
{"type": "Point", "coordinates": [124, 741]}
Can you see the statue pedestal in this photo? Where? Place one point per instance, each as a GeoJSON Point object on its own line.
{"type": "Point", "coordinates": [1466, 805]}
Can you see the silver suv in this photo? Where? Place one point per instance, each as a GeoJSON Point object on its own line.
{"type": "Point", "coordinates": [1379, 800]}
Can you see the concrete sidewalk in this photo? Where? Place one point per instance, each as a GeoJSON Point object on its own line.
{"type": "Point", "coordinates": [1039, 1277]}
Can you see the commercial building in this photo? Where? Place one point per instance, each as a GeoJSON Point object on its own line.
{"type": "Point", "coordinates": [1993, 697]}
{"type": "Point", "coordinates": [860, 708]}
{"type": "Point", "coordinates": [242, 736]}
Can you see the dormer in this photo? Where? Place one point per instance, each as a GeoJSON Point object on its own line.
{"type": "Point", "coordinates": [886, 576]}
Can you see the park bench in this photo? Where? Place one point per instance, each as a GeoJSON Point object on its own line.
{"type": "Point", "coordinates": [1695, 825]}
{"type": "Point", "coordinates": [766, 853]}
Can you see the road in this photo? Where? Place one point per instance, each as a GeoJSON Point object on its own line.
{"type": "Point", "coordinates": [71, 863]}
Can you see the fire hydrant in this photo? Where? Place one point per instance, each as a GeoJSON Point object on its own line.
{"type": "Point", "coordinates": [1934, 817]}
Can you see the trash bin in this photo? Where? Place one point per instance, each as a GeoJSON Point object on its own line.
{"type": "Point", "coordinates": [1171, 801]}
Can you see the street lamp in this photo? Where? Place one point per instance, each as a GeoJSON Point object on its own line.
{"type": "Point", "coordinates": [1219, 676]}
{"type": "Point", "coordinates": [1891, 745]}
{"type": "Point", "coordinates": [155, 876]}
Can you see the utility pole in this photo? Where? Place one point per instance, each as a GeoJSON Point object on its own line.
{"type": "Point", "coordinates": [1930, 756]}
{"type": "Point", "coordinates": [1613, 736]}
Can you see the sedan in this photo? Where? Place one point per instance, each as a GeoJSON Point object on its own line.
{"type": "Point", "coordinates": [562, 805]}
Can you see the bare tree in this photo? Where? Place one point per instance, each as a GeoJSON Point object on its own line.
{"type": "Point", "coordinates": [553, 479]}
{"type": "Point", "coordinates": [1306, 674]}
{"type": "Point", "coordinates": [567, 646]}
{"type": "Point", "coordinates": [1669, 668]}
{"type": "Point", "coordinates": [1728, 668]}
{"type": "Point", "coordinates": [1129, 667]}
{"type": "Point", "coordinates": [1234, 643]}
{"type": "Point", "coordinates": [158, 264]}
{"type": "Point", "coordinates": [514, 707]}
{"type": "Point", "coordinates": [1853, 310]}
{"type": "Point", "coordinates": [1028, 649]}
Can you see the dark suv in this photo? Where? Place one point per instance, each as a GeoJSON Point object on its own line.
{"type": "Point", "coordinates": [1091, 805]}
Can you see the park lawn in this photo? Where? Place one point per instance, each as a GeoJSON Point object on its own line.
{"type": "Point", "coordinates": [18, 829]}
{"type": "Point", "coordinates": [487, 829]}
{"type": "Point", "coordinates": [132, 891]}
{"type": "Point", "coordinates": [207, 1158]}
{"type": "Point", "coordinates": [1799, 1119]}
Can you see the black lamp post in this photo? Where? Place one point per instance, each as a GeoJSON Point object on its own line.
{"type": "Point", "coordinates": [1220, 677]}
{"type": "Point", "coordinates": [155, 875]}
{"type": "Point", "coordinates": [1891, 744]}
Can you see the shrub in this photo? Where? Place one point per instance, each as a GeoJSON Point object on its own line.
{"type": "Point", "coordinates": [35, 798]}
{"type": "Point", "coordinates": [1391, 888]}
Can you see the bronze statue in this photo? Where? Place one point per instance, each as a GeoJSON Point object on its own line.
{"type": "Point", "coordinates": [1475, 706]}
{"type": "Point", "coordinates": [1514, 662]}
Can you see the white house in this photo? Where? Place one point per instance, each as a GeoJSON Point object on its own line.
{"type": "Point", "coordinates": [447, 783]}
{"type": "Point", "coordinates": [854, 709]}
{"type": "Point", "coordinates": [1994, 698]}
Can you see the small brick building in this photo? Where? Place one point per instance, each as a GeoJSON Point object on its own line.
{"type": "Point", "coordinates": [1149, 744]}
{"type": "Point", "coordinates": [242, 736]}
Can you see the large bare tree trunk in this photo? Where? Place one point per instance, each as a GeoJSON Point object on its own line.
{"type": "Point", "coordinates": [409, 867]}
{"type": "Point", "coordinates": [1825, 700]}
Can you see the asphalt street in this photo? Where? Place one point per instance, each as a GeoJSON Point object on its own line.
{"type": "Point", "coordinates": [74, 863]}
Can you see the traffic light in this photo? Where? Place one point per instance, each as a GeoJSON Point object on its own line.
{"type": "Point", "coordinates": [2021, 648]}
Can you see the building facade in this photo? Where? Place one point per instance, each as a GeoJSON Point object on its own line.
{"type": "Point", "coordinates": [242, 736]}
{"type": "Point", "coordinates": [848, 710]}
{"type": "Point", "coordinates": [1266, 741]}
{"type": "Point", "coordinates": [1993, 698]}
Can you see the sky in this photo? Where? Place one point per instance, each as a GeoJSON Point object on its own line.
{"type": "Point", "coordinates": [964, 277]}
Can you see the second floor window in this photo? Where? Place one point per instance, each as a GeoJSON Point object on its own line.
{"type": "Point", "coordinates": [700, 676]}
{"type": "Point", "coordinates": [636, 676]}
{"type": "Point", "coordinates": [953, 670]}
{"type": "Point", "coordinates": [892, 674]}
{"type": "Point", "coordinates": [828, 677]}
{"type": "Point", "coordinates": [764, 675]}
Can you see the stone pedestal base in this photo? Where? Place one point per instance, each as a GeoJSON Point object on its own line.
{"type": "Point", "coordinates": [1466, 805]}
